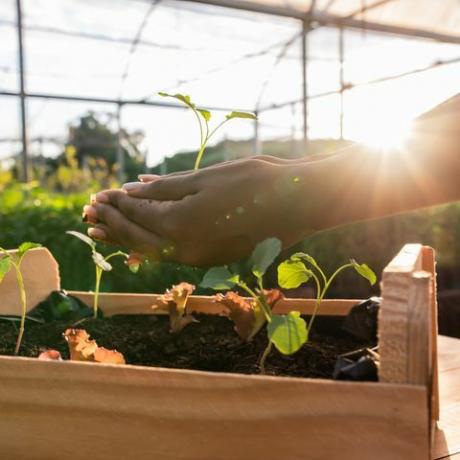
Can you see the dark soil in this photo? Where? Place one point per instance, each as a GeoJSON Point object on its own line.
{"type": "Point", "coordinates": [209, 345]}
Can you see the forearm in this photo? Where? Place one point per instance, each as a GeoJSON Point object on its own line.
{"type": "Point", "coordinates": [360, 184]}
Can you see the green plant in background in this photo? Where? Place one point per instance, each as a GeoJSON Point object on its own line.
{"type": "Point", "coordinates": [203, 117]}
{"type": "Point", "coordinates": [286, 332]}
{"type": "Point", "coordinates": [10, 261]}
{"type": "Point", "coordinates": [101, 264]}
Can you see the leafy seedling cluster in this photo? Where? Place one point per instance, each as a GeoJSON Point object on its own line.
{"type": "Point", "coordinates": [9, 261]}
{"type": "Point", "coordinates": [203, 117]}
{"type": "Point", "coordinates": [287, 332]}
{"type": "Point", "coordinates": [101, 264]}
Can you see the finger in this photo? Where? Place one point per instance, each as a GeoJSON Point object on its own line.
{"type": "Point", "coordinates": [101, 232]}
{"type": "Point", "coordinates": [126, 233]}
{"type": "Point", "coordinates": [149, 214]}
{"type": "Point", "coordinates": [166, 188]}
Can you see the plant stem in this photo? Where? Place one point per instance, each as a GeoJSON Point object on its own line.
{"type": "Point", "coordinates": [267, 311]}
{"type": "Point", "coordinates": [22, 293]}
{"type": "Point", "coordinates": [324, 290]}
{"type": "Point", "coordinates": [199, 155]}
{"type": "Point", "coordinates": [96, 290]}
{"type": "Point", "coordinates": [267, 351]}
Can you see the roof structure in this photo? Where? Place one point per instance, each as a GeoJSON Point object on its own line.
{"type": "Point", "coordinates": [103, 51]}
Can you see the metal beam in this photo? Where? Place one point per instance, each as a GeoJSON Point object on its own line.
{"type": "Point", "coordinates": [341, 77]}
{"type": "Point", "coordinates": [120, 153]}
{"type": "Point", "coordinates": [305, 30]}
{"type": "Point", "coordinates": [365, 83]}
{"type": "Point", "coordinates": [102, 100]}
{"type": "Point", "coordinates": [327, 19]}
{"type": "Point", "coordinates": [22, 95]}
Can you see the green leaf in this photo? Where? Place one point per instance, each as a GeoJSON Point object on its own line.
{"type": "Point", "coordinates": [219, 278]}
{"type": "Point", "coordinates": [99, 260]}
{"type": "Point", "coordinates": [206, 114]}
{"type": "Point", "coordinates": [234, 114]}
{"type": "Point", "coordinates": [86, 239]}
{"type": "Point", "coordinates": [5, 265]}
{"type": "Point", "coordinates": [264, 255]}
{"type": "Point", "coordinates": [24, 247]}
{"type": "Point", "coordinates": [287, 332]}
{"type": "Point", "coordinates": [293, 273]}
{"type": "Point", "coordinates": [306, 257]}
{"type": "Point", "coordinates": [180, 97]}
{"type": "Point", "coordinates": [365, 271]}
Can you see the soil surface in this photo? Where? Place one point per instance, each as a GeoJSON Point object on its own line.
{"type": "Point", "coordinates": [209, 345]}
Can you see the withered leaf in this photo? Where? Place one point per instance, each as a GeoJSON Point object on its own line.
{"type": "Point", "coordinates": [82, 348]}
{"type": "Point", "coordinates": [273, 296]}
{"type": "Point", "coordinates": [50, 355]}
{"type": "Point", "coordinates": [175, 300]}
{"type": "Point", "coordinates": [102, 355]}
{"type": "Point", "coordinates": [240, 311]}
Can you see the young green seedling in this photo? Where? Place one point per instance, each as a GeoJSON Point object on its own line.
{"type": "Point", "coordinates": [293, 272]}
{"type": "Point", "coordinates": [220, 278]}
{"type": "Point", "coordinates": [203, 117]}
{"type": "Point", "coordinates": [10, 261]}
{"type": "Point", "coordinates": [101, 264]}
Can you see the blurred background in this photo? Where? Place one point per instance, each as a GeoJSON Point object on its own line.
{"type": "Point", "coordinates": [80, 111]}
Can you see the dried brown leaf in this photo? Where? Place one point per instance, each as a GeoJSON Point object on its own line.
{"type": "Point", "coordinates": [50, 355]}
{"type": "Point", "coordinates": [240, 311]}
{"type": "Point", "coordinates": [82, 348]}
{"type": "Point", "coordinates": [175, 301]}
{"type": "Point", "coordinates": [273, 296]}
{"type": "Point", "coordinates": [102, 355]}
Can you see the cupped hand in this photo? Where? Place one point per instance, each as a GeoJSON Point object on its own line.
{"type": "Point", "coordinates": [206, 217]}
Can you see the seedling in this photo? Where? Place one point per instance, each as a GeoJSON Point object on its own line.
{"type": "Point", "coordinates": [289, 332]}
{"type": "Point", "coordinates": [291, 274]}
{"type": "Point", "coordinates": [10, 261]}
{"type": "Point", "coordinates": [249, 318]}
{"type": "Point", "coordinates": [203, 117]}
{"type": "Point", "coordinates": [101, 264]}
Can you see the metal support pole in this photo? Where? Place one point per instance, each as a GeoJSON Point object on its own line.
{"type": "Point", "coordinates": [305, 29]}
{"type": "Point", "coordinates": [256, 146]}
{"type": "Point", "coordinates": [24, 153]}
{"type": "Point", "coordinates": [293, 132]}
{"type": "Point", "coordinates": [120, 153]}
{"type": "Point", "coordinates": [342, 79]}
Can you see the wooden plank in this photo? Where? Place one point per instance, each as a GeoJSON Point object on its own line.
{"type": "Point", "coordinates": [41, 276]}
{"type": "Point", "coordinates": [429, 265]}
{"type": "Point", "coordinates": [397, 288]}
{"type": "Point", "coordinates": [81, 411]}
{"type": "Point", "coordinates": [119, 303]}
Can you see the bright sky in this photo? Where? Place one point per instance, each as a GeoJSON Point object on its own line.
{"type": "Point", "coordinates": [199, 50]}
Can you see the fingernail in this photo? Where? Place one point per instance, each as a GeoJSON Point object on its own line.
{"type": "Point", "coordinates": [147, 177]}
{"type": "Point", "coordinates": [89, 215]}
{"type": "Point", "coordinates": [102, 197]}
{"type": "Point", "coordinates": [130, 186]}
{"type": "Point", "coordinates": [90, 211]}
{"type": "Point", "coordinates": [97, 233]}
{"type": "Point", "coordinates": [92, 198]}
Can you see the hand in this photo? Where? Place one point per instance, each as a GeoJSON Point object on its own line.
{"type": "Point", "coordinates": [207, 217]}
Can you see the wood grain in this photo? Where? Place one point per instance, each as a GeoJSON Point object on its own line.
{"type": "Point", "coordinates": [53, 410]}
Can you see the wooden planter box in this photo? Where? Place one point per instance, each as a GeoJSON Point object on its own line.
{"type": "Point", "coordinates": [73, 410]}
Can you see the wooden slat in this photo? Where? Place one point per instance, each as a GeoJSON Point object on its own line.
{"type": "Point", "coordinates": [397, 288]}
{"type": "Point", "coordinates": [78, 410]}
{"type": "Point", "coordinates": [118, 303]}
{"type": "Point", "coordinates": [429, 265]}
